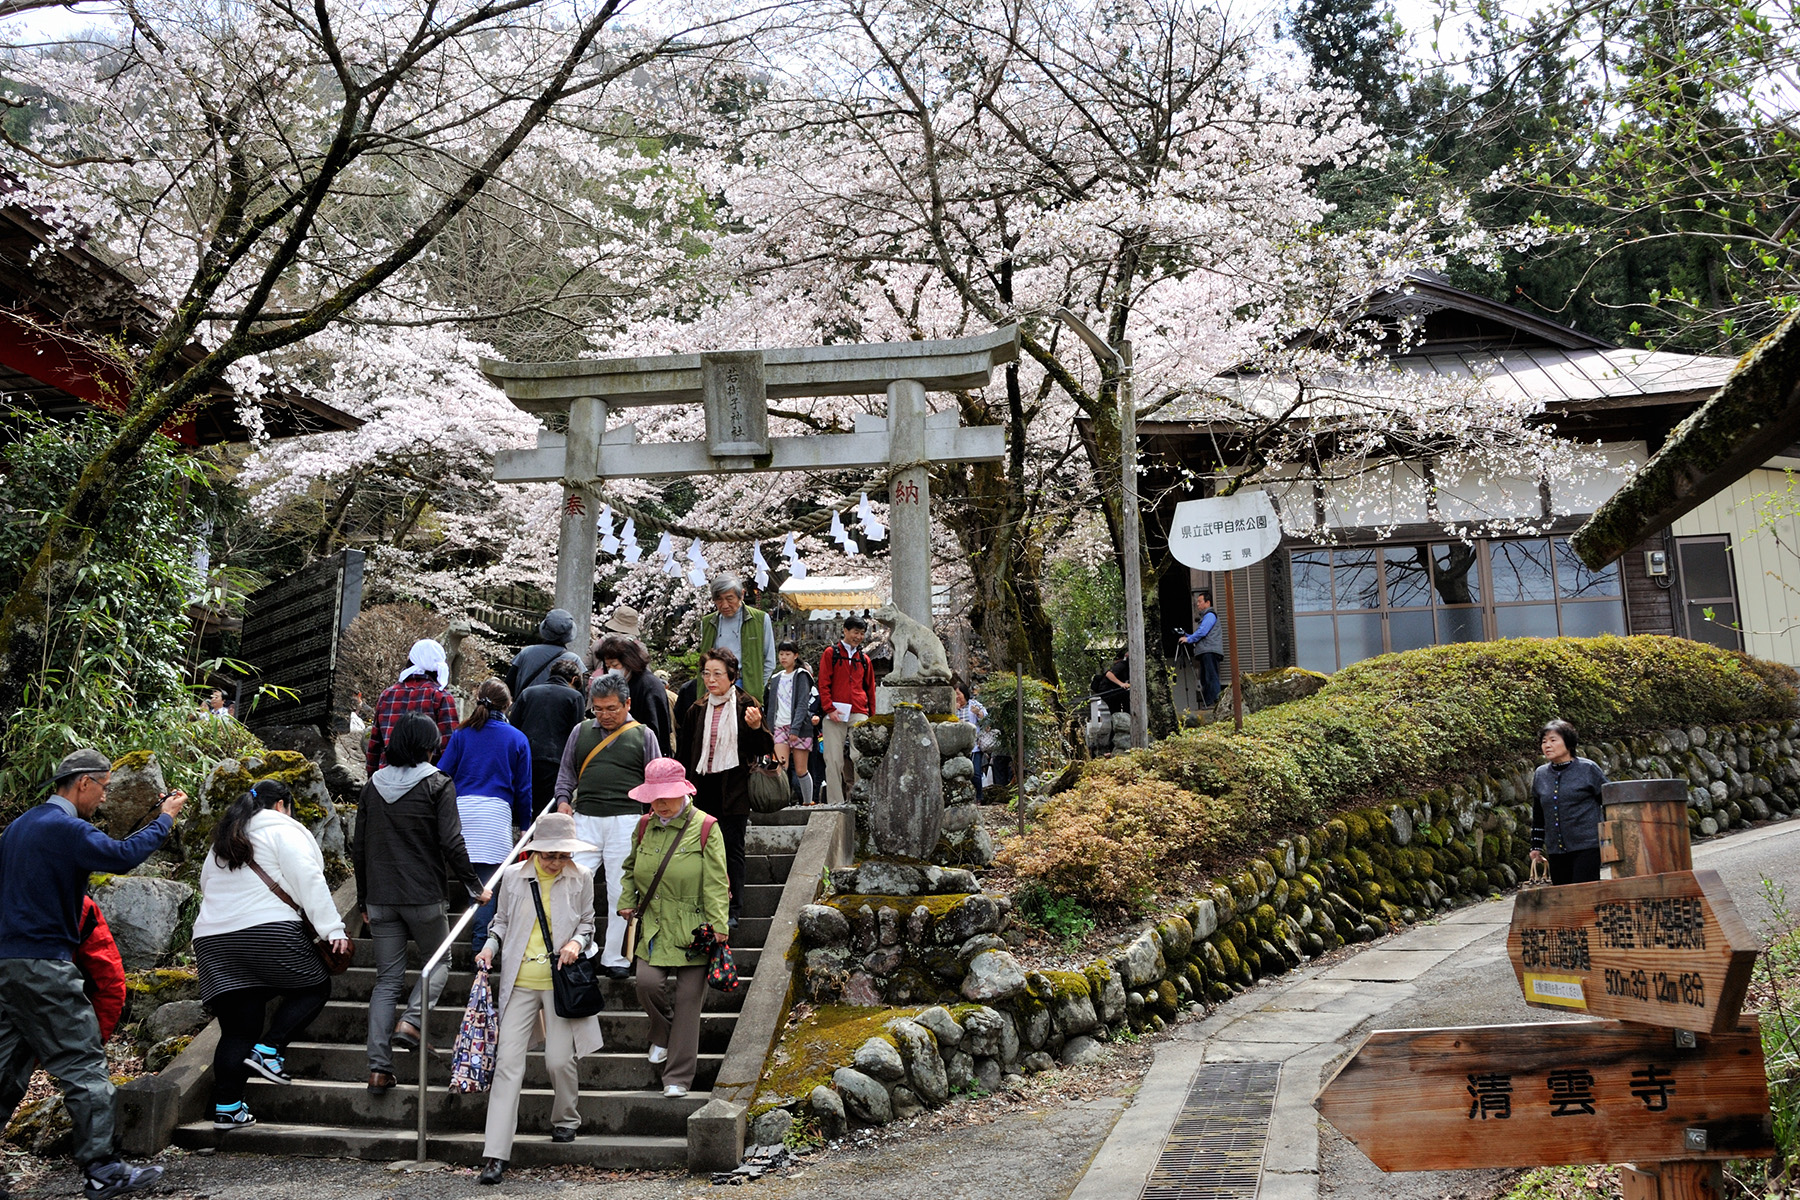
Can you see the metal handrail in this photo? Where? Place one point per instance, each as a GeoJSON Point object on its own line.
{"type": "Point", "coordinates": [431, 963]}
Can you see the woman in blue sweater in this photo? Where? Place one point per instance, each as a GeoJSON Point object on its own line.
{"type": "Point", "coordinates": [490, 763]}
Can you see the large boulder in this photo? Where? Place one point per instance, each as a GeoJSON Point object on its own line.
{"type": "Point", "coordinates": [232, 777]}
{"type": "Point", "coordinates": [181, 1018]}
{"type": "Point", "coordinates": [955, 738]}
{"type": "Point", "coordinates": [1266, 689]}
{"type": "Point", "coordinates": [863, 1098]}
{"type": "Point", "coordinates": [993, 975]}
{"type": "Point", "coordinates": [823, 925]}
{"type": "Point", "coordinates": [828, 1110]}
{"type": "Point", "coordinates": [133, 795]}
{"type": "Point", "coordinates": [144, 914]}
{"type": "Point", "coordinates": [878, 1059]}
{"type": "Point", "coordinates": [923, 1063]}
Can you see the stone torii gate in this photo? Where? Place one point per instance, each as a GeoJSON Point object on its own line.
{"type": "Point", "coordinates": [735, 386]}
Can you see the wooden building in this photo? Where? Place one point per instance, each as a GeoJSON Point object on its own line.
{"type": "Point", "coordinates": [1386, 576]}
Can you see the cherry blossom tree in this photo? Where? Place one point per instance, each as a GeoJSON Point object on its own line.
{"type": "Point", "coordinates": [267, 170]}
{"type": "Point", "coordinates": [931, 168]}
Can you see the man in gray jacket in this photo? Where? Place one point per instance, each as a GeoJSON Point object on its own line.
{"type": "Point", "coordinates": [1208, 643]}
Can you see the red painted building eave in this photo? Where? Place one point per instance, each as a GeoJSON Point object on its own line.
{"type": "Point", "coordinates": [69, 366]}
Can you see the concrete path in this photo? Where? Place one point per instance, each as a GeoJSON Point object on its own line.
{"type": "Point", "coordinates": [1452, 972]}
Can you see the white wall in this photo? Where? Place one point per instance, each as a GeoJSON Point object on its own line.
{"type": "Point", "coordinates": [1768, 576]}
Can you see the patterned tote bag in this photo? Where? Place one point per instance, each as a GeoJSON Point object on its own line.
{"type": "Point", "coordinates": [472, 1058]}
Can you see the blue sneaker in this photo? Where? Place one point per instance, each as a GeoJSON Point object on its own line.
{"type": "Point", "coordinates": [267, 1063]}
{"type": "Point", "coordinates": [232, 1116]}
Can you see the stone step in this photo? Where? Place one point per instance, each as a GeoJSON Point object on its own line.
{"type": "Point", "coordinates": [767, 868]}
{"type": "Point", "coordinates": [638, 1111]}
{"type": "Point", "coordinates": [607, 1070]}
{"type": "Point", "coordinates": [760, 903]}
{"type": "Point", "coordinates": [629, 1152]}
{"type": "Point", "coordinates": [347, 1023]}
{"type": "Point", "coordinates": [744, 953]}
{"type": "Point", "coordinates": [356, 984]}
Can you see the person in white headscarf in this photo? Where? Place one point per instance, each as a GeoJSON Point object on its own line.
{"type": "Point", "coordinates": [420, 688]}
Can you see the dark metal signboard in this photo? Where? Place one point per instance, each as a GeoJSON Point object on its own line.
{"type": "Point", "coordinates": [291, 632]}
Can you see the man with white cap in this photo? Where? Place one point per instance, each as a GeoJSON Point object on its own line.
{"type": "Point", "coordinates": [45, 860]}
{"type": "Point", "coordinates": [420, 688]}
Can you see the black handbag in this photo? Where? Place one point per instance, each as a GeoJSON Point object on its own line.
{"type": "Point", "coordinates": [574, 988]}
{"type": "Point", "coordinates": [768, 786]}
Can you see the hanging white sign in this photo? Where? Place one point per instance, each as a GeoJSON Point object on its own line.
{"type": "Point", "coordinates": [1225, 533]}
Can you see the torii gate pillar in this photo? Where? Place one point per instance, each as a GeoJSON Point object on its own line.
{"type": "Point", "coordinates": [578, 535]}
{"type": "Point", "coordinates": [909, 502]}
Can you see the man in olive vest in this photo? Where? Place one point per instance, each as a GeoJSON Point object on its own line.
{"type": "Point", "coordinates": [743, 629]}
{"type": "Point", "coordinates": [603, 760]}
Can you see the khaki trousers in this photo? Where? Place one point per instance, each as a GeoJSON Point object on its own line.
{"type": "Point", "coordinates": [839, 775]}
{"type": "Point", "coordinates": [518, 1028]}
{"type": "Point", "coordinates": [676, 1027]}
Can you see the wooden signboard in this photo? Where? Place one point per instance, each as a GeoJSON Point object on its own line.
{"type": "Point", "coordinates": [1667, 950]}
{"type": "Point", "coordinates": [1551, 1094]}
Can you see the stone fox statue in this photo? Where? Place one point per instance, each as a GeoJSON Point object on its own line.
{"type": "Point", "coordinates": [908, 634]}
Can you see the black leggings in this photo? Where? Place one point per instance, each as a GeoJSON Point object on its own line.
{"type": "Point", "coordinates": [1577, 866]}
{"type": "Point", "coordinates": [241, 1015]}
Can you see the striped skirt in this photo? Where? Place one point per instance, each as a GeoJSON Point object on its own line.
{"type": "Point", "coordinates": [277, 955]}
{"type": "Point", "coordinates": [487, 827]}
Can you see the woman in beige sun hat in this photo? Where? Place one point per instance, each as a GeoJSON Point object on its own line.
{"type": "Point", "coordinates": [522, 990]}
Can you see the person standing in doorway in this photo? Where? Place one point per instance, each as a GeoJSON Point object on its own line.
{"type": "Point", "coordinates": [788, 704]}
{"type": "Point", "coordinates": [741, 628]}
{"type": "Point", "coordinates": [1208, 643]}
{"type": "Point", "coordinates": [1565, 808]}
{"type": "Point", "coordinates": [846, 699]}
{"type": "Point", "coordinates": [45, 860]}
{"type": "Point", "coordinates": [602, 761]}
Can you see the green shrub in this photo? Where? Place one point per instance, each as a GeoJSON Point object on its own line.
{"type": "Point", "coordinates": [1062, 917]}
{"type": "Point", "coordinates": [1379, 728]}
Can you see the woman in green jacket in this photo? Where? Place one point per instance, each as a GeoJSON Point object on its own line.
{"type": "Point", "coordinates": [694, 890]}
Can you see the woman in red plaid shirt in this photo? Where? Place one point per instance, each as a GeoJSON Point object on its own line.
{"type": "Point", "coordinates": [420, 689]}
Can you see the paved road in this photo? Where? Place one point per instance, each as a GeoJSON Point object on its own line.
{"type": "Point", "coordinates": [1454, 972]}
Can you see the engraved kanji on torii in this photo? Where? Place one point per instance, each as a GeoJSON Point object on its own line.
{"type": "Point", "coordinates": [735, 387]}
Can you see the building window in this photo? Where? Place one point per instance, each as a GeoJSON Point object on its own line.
{"type": "Point", "coordinates": [1352, 603]}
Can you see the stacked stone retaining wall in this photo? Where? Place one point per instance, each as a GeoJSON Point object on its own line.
{"type": "Point", "coordinates": [1353, 878]}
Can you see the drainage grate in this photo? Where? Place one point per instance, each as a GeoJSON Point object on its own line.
{"type": "Point", "coordinates": [1215, 1150]}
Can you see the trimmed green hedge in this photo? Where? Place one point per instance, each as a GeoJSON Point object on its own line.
{"type": "Point", "coordinates": [1378, 728]}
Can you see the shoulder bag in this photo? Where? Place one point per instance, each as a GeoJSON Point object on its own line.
{"type": "Point", "coordinates": [631, 927]}
{"type": "Point", "coordinates": [768, 785]}
{"type": "Point", "coordinates": [335, 963]}
{"type": "Point", "coordinates": [574, 987]}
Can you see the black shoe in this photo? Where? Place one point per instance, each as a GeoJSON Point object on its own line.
{"type": "Point", "coordinates": [732, 924]}
{"type": "Point", "coordinates": [491, 1171]}
{"type": "Point", "coordinates": [564, 1133]}
{"type": "Point", "coordinates": [616, 972]}
{"type": "Point", "coordinates": [115, 1178]}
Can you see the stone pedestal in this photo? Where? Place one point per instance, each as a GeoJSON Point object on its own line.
{"type": "Point", "coordinates": [906, 806]}
{"type": "Point", "coordinates": [935, 699]}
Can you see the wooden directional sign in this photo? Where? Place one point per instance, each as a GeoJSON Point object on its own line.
{"type": "Point", "coordinates": [1551, 1094]}
{"type": "Point", "coordinates": [1666, 950]}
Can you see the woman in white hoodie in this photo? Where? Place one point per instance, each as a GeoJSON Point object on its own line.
{"type": "Point", "coordinates": [264, 873]}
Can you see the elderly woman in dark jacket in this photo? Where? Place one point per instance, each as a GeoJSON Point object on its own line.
{"type": "Point", "coordinates": [1565, 808]}
{"type": "Point", "coordinates": [721, 736]}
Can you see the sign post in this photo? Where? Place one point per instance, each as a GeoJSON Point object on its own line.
{"type": "Point", "coordinates": [1225, 534]}
{"type": "Point", "coordinates": [1669, 1090]}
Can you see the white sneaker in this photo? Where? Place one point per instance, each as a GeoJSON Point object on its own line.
{"type": "Point", "coordinates": [674, 1092]}
{"type": "Point", "coordinates": [659, 1054]}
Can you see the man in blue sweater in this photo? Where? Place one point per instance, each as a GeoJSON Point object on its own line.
{"type": "Point", "coordinates": [46, 857]}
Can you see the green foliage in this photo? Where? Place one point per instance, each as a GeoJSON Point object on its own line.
{"type": "Point", "coordinates": [1045, 749]}
{"type": "Point", "coordinates": [1062, 917]}
{"type": "Point", "coordinates": [1379, 727]}
{"type": "Point", "coordinates": [112, 673]}
{"type": "Point", "coordinates": [1775, 992]}
{"type": "Point", "coordinates": [1089, 603]}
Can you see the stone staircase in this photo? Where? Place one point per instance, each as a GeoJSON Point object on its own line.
{"type": "Point", "coordinates": [626, 1123]}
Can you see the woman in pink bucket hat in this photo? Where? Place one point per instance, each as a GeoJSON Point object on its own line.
{"type": "Point", "coordinates": [679, 843]}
